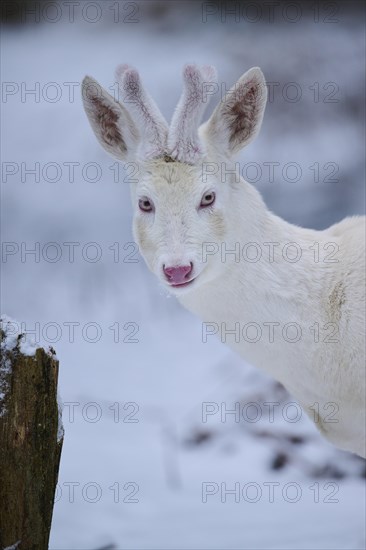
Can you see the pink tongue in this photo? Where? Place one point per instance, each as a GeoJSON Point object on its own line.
{"type": "Point", "coordinates": [178, 275]}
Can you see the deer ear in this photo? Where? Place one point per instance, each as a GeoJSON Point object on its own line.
{"type": "Point", "coordinates": [109, 120]}
{"type": "Point", "coordinates": [237, 119]}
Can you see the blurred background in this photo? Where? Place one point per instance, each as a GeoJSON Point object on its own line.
{"type": "Point", "coordinates": [152, 457]}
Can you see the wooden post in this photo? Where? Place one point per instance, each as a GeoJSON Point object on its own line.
{"type": "Point", "coordinates": [31, 438]}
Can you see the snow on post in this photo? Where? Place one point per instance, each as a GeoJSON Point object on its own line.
{"type": "Point", "coordinates": [31, 437]}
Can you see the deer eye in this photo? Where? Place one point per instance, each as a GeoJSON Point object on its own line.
{"type": "Point", "coordinates": [208, 199]}
{"type": "Point", "coordinates": [146, 205]}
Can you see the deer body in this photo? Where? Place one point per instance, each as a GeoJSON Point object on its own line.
{"type": "Point", "coordinates": [300, 322]}
{"type": "Point", "coordinates": [289, 300]}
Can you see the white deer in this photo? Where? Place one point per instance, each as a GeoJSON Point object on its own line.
{"type": "Point", "coordinates": [301, 290]}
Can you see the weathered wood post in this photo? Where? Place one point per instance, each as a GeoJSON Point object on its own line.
{"type": "Point", "coordinates": [31, 437]}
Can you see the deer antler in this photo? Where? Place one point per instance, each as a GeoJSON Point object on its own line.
{"type": "Point", "coordinates": [183, 141]}
{"type": "Point", "coordinates": [146, 115]}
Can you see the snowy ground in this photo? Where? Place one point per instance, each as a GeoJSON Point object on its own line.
{"type": "Point", "coordinates": [136, 449]}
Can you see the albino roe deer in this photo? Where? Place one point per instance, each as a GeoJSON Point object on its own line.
{"type": "Point", "coordinates": [186, 213]}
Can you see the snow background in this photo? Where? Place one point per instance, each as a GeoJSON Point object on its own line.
{"type": "Point", "coordinates": [167, 375]}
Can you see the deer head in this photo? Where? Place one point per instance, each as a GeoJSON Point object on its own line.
{"type": "Point", "coordinates": [178, 205]}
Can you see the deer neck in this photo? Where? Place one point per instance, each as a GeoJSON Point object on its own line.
{"type": "Point", "coordinates": [263, 281]}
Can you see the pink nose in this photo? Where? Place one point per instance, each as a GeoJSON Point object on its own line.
{"type": "Point", "coordinates": [178, 274]}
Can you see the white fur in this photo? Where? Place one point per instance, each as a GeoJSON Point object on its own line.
{"type": "Point", "coordinates": [326, 374]}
